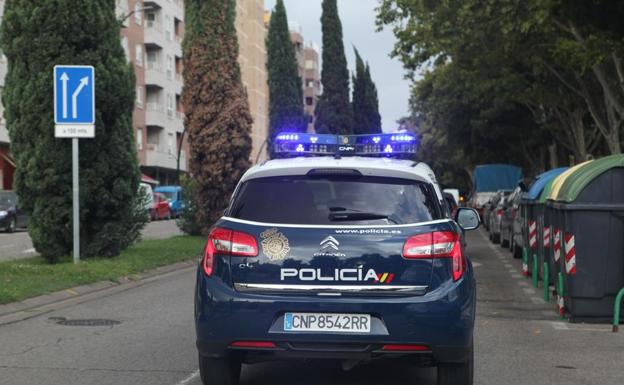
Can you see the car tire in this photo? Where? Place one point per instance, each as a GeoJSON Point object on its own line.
{"type": "Point", "coordinates": [219, 371]}
{"type": "Point", "coordinates": [496, 238]}
{"type": "Point", "coordinates": [457, 374]}
{"type": "Point", "coordinates": [517, 252]}
{"type": "Point", "coordinates": [504, 243]}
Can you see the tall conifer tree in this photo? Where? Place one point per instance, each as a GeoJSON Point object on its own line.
{"type": "Point", "coordinates": [215, 103]}
{"type": "Point", "coordinates": [333, 111]}
{"type": "Point", "coordinates": [365, 103]}
{"type": "Point", "coordinates": [285, 85]}
{"type": "Point", "coordinates": [34, 42]}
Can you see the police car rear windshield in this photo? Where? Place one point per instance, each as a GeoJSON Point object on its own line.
{"type": "Point", "coordinates": [335, 200]}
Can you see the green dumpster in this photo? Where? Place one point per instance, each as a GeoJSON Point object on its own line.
{"type": "Point", "coordinates": [588, 209]}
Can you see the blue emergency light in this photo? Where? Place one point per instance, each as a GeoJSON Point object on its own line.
{"type": "Point", "coordinates": [300, 144]}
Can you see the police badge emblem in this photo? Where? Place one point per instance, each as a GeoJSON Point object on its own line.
{"type": "Point", "coordinates": [274, 244]}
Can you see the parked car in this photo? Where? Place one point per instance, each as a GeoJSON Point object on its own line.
{"type": "Point", "coordinates": [451, 203]}
{"type": "Point", "coordinates": [496, 214]}
{"type": "Point", "coordinates": [454, 192]}
{"type": "Point", "coordinates": [148, 193]}
{"type": "Point", "coordinates": [12, 216]}
{"type": "Point", "coordinates": [511, 224]}
{"type": "Point", "coordinates": [160, 207]}
{"type": "Point", "coordinates": [486, 209]}
{"type": "Point", "coordinates": [173, 194]}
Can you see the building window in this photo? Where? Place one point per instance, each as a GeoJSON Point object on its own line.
{"type": "Point", "coordinates": [139, 96]}
{"type": "Point", "coordinates": [139, 138]}
{"type": "Point", "coordinates": [150, 19]}
{"type": "Point", "coordinates": [138, 55]}
{"type": "Point", "coordinates": [124, 45]}
{"type": "Point", "coordinates": [169, 106]}
{"type": "Point", "coordinates": [309, 101]}
{"type": "Point", "coordinates": [152, 59]}
{"type": "Point", "coordinates": [310, 65]}
{"type": "Point", "coordinates": [169, 67]}
{"type": "Point", "coordinates": [310, 83]}
{"type": "Point", "coordinates": [168, 28]}
{"type": "Point", "coordinates": [138, 13]}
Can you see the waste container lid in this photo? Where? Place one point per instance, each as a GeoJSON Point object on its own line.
{"type": "Point", "coordinates": [541, 181]}
{"type": "Point", "coordinates": [546, 192]}
{"type": "Point", "coordinates": [558, 182]}
{"type": "Point", "coordinates": [577, 181]}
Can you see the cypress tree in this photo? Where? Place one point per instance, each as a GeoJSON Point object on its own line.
{"type": "Point", "coordinates": [217, 111]}
{"type": "Point", "coordinates": [33, 41]}
{"type": "Point", "coordinates": [285, 85]}
{"type": "Point", "coordinates": [374, 118]}
{"type": "Point", "coordinates": [365, 103]}
{"type": "Point", "coordinates": [333, 110]}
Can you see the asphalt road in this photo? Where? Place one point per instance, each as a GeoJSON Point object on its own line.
{"type": "Point", "coordinates": [519, 340]}
{"type": "Point", "coordinates": [18, 245]}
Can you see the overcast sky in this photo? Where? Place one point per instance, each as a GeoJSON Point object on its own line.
{"type": "Point", "coordinates": [358, 28]}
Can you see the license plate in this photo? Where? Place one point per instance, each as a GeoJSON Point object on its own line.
{"type": "Point", "coordinates": [327, 322]}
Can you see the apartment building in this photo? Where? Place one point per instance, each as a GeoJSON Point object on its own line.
{"type": "Point", "coordinates": [311, 77]}
{"type": "Point", "coordinates": [251, 31]}
{"type": "Point", "coordinates": [7, 165]}
{"type": "Point", "coordinates": [151, 36]}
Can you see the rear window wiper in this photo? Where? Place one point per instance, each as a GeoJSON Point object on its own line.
{"type": "Point", "coordinates": [358, 216]}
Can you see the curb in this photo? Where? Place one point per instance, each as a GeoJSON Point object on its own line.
{"type": "Point", "coordinates": [36, 306]}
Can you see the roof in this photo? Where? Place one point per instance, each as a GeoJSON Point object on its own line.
{"type": "Point", "coordinates": [494, 177]}
{"type": "Point", "coordinates": [167, 188]}
{"type": "Point", "coordinates": [542, 180]}
{"type": "Point", "coordinates": [387, 167]}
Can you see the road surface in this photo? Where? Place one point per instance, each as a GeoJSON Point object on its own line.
{"type": "Point", "coordinates": [18, 245]}
{"type": "Point", "coordinates": [519, 340]}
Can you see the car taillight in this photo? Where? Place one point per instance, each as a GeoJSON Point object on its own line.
{"type": "Point", "coordinates": [438, 244]}
{"type": "Point", "coordinates": [228, 242]}
{"type": "Point", "coordinates": [499, 212]}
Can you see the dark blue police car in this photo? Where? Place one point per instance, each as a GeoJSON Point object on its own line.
{"type": "Point", "coordinates": [341, 251]}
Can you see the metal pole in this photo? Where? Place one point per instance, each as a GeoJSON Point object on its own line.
{"type": "Point", "coordinates": [616, 311]}
{"type": "Point", "coordinates": [546, 283]}
{"type": "Point", "coordinates": [535, 271]}
{"type": "Point", "coordinates": [76, 200]}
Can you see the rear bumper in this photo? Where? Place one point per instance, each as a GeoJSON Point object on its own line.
{"type": "Point", "coordinates": [441, 320]}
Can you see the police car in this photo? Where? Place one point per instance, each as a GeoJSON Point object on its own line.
{"type": "Point", "coordinates": [344, 249]}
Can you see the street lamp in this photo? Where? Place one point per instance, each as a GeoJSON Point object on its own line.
{"type": "Point", "coordinates": [125, 17]}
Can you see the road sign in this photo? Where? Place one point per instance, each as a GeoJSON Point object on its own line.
{"type": "Point", "coordinates": [74, 117]}
{"type": "Point", "coordinates": [74, 101]}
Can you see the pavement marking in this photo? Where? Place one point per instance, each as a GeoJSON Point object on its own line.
{"type": "Point", "coordinates": [6, 246]}
{"type": "Point", "coordinates": [31, 250]}
{"type": "Point", "coordinates": [523, 283]}
{"type": "Point", "coordinates": [516, 276]}
{"type": "Point", "coordinates": [559, 326]}
{"type": "Point", "coordinates": [529, 290]}
{"type": "Point", "coordinates": [537, 301]}
{"type": "Point", "coordinates": [188, 379]}
{"type": "Point", "coordinates": [476, 264]}
{"type": "Point", "coordinates": [548, 313]}
{"type": "Point", "coordinates": [72, 292]}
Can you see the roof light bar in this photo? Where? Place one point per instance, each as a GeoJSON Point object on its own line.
{"type": "Point", "coordinates": [302, 144]}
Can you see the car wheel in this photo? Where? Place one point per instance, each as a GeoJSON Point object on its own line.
{"type": "Point", "coordinates": [504, 242]}
{"type": "Point", "coordinates": [219, 371]}
{"type": "Point", "coordinates": [12, 225]}
{"type": "Point", "coordinates": [457, 374]}
{"type": "Point", "coordinates": [517, 252]}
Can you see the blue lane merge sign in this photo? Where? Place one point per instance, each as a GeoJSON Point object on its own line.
{"type": "Point", "coordinates": [74, 95]}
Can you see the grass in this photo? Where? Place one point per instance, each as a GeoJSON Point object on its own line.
{"type": "Point", "coordinates": [27, 278]}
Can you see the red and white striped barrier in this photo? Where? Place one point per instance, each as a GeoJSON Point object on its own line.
{"type": "Point", "coordinates": [532, 234]}
{"type": "Point", "coordinates": [561, 305]}
{"type": "Point", "coordinates": [546, 237]}
{"type": "Point", "coordinates": [557, 244]}
{"type": "Point", "coordinates": [570, 254]}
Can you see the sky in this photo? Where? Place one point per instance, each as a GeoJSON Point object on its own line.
{"type": "Point", "coordinates": [359, 30]}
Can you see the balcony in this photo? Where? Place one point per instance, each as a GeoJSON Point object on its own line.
{"type": "Point", "coordinates": [155, 115]}
{"type": "Point", "coordinates": [155, 76]}
{"type": "Point", "coordinates": [178, 121]}
{"type": "Point", "coordinates": [156, 156]}
{"type": "Point", "coordinates": [153, 34]}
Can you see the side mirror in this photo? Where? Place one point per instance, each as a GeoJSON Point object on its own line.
{"type": "Point", "coordinates": [467, 218]}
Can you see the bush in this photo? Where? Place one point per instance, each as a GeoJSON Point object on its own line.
{"type": "Point", "coordinates": [187, 222]}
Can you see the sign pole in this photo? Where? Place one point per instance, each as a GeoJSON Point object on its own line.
{"type": "Point", "coordinates": [76, 200]}
{"type": "Point", "coordinates": [74, 120]}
